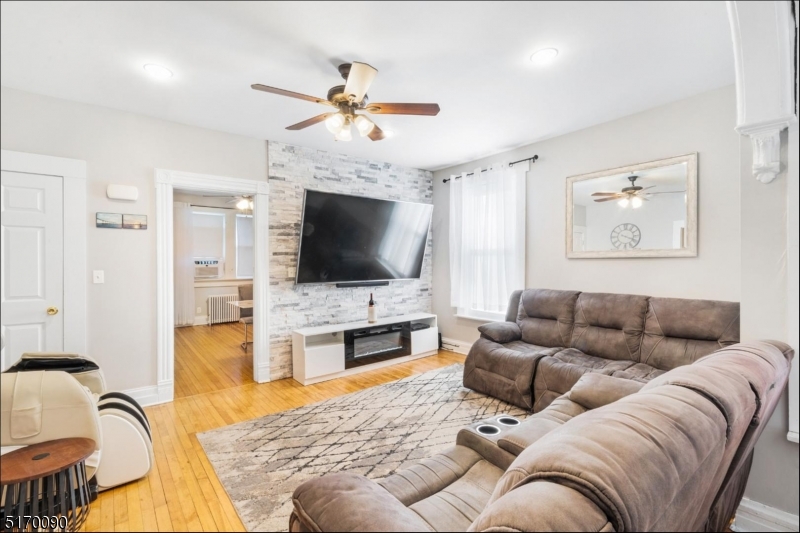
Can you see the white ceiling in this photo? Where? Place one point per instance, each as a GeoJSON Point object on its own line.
{"type": "Point", "coordinates": [616, 58]}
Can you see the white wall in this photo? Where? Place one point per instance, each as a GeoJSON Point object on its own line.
{"type": "Point", "coordinates": [123, 148]}
{"type": "Point", "coordinates": [702, 124]}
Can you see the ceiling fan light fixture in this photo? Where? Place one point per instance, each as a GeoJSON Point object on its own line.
{"type": "Point", "coordinates": [335, 122]}
{"type": "Point", "coordinates": [344, 134]}
{"type": "Point", "coordinates": [636, 202]}
{"type": "Point", "coordinates": [544, 56]}
{"type": "Point", "coordinates": [364, 125]}
{"type": "Point", "coordinates": [157, 71]}
{"type": "Point", "coordinates": [242, 204]}
{"type": "Point", "coordinates": [623, 202]}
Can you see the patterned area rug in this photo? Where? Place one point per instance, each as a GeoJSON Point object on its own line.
{"type": "Point", "coordinates": [373, 432]}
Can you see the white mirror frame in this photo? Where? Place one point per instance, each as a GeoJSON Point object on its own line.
{"type": "Point", "coordinates": [691, 211]}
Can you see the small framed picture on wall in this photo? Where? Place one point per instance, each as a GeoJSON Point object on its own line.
{"type": "Point", "coordinates": [108, 220]}
{"type": "Point", "coordinates": [134, 221]}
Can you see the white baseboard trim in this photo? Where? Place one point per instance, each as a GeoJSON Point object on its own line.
{"type": "Point", "coordinates": [262, 373]}
{"type": "Point", "coordinates": [144, 395]}
{"type": "Point", "coordinates": [452, 345]}
{"type": "Point", "coordinates": [152, 395]}
{"type": "Point", "coordinates": [754, 516]}
{"type": "Point", "coordinates": [201, 320]}
{"type": "Point", "coordinates": [793, 437]}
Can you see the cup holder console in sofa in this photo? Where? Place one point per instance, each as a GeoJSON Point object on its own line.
{"type": "Point", "coordinates": [483, 437]}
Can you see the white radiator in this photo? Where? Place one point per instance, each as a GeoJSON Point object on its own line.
{"type": "Point", "coordinates": [219, 310]}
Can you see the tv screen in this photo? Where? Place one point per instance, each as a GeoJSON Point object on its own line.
{"type": "Point", "coordinates": [351, 238]}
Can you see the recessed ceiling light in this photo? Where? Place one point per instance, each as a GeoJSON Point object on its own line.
{"type": "Point", "coordinates": [157, 71]}
{"type": "Point", "coordinates": [544, 56]}
{"type": "Point", "coordinates": [388, 133]}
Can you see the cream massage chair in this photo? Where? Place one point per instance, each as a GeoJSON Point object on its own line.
{"type": "Point", "coordinates": [47, 396]}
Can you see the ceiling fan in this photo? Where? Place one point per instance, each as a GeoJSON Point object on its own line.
{"type": "Point", "coordinates": [244, 202]}
{"type": "Point", "coordinates": [348, 99]}
{"type": "Point", "coordinates": [633, 194]}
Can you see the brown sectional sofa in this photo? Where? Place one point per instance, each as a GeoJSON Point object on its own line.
{"type": "Point", "coordinates": [551, 338]}
{"type": "Point", "coordinates": [645, 419]}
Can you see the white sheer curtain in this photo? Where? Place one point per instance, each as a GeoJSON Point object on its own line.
{"type": "Point", "coordinates": [183, 263]}
{"type": "Point", "coordinates": [487, 239]}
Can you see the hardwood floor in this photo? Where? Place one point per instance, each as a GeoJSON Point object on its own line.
{"type": "Point", "coordinates": [182, 492]}
{"type": "Point", "coordinates": [210, 358]}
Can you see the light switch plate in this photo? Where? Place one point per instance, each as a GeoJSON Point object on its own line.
{"type": "Point", "coordinates": [98, 276]}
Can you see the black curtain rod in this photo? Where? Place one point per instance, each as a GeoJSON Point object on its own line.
{"type": "Point", "coordinates": [532, 159]}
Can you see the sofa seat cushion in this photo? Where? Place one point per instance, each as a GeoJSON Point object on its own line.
{"type": "Point", "coordinates": [504, 371]}
{"type": "Point", "coordinates": [557, 374]}
{"type": "Point", "coordinates": [429, 476]}
{"type": "Point", "coordinates": [522, 346]}
{"type": "Point", "coordinates": [447, 491]}
{"type": "Point", "coordinates": [456, 506]}
{"type": "Point", "coordinates": [533, 428]}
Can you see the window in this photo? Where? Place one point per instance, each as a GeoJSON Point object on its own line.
{"type": "Point", "coordinates": [208, 235]}
{"type": "Point", "coordinates": [487, 241]}
{"type": "Point", "coordinates": [244, 246]}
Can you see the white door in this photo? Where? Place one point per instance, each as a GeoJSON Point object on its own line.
{"type": "Point", "coordinates": [32, 263]}
{"type": "Point", "coordinates": [578, 238]}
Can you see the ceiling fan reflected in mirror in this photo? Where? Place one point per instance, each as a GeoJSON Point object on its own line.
{"type": "Point", "coordinates": [632, 195]}
{"type": "Point", "coordinates": [349, 99]}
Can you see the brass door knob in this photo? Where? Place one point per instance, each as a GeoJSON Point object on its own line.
{"type": "Point", "coordinates": [52, 310]}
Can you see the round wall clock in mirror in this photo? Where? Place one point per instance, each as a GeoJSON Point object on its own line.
{"type": "Point", "coordinates": [625, 236]}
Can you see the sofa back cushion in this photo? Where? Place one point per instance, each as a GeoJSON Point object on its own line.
{"type": "Point", "coordinates": [647, 461]}
{"type": "Point", "coordinates": [678, 331]}
{"type": "Point", "coordinates": [545, 316]}
{"type": "Point", "coordinates": [609, 325]}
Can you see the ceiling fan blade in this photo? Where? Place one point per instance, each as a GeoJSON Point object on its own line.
{"type": "Point", "coordinates": [645, 188]}
{"type": "Point", "coordinates": [665, 192]}
{"type": "Point", "coordinates": [606, 199]}
{"type": "Point", "coordinates": [603, 193]}
{"type": "Point", "coordinates": [290, 94]}
{"type": "Point", "coordinates": [404, 109]}
{"type": "Point", "coordinates": [309, 122]}
{"type": "Point", "coordinates": [376, 134]}
{"type": "Point", "coordinates": [358, 80]}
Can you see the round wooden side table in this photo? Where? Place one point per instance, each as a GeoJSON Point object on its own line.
{"type": "Point", "coordinates": [44, 486]}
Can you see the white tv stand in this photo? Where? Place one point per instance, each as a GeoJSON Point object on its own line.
{"type": "Point", "coordinates": [320, 353]}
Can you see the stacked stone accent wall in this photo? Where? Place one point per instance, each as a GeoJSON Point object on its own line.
{"type": "Point", "coordinates": [292, 169]}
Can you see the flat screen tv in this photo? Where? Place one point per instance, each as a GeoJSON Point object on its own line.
{"type": "Point", "coordinates": [351, 238]}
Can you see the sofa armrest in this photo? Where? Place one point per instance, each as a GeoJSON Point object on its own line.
{"type": "Point", "coordinates": [501, 332]}
{"type": "Point", "coordinates": [349, 502]}
{"type": "Point", "coordinates": [596, 390]}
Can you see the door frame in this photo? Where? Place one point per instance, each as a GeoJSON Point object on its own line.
{"type": "Point", "coordinates": [73, 176]}
{"type": "Point", "coordinates": [165, 183]}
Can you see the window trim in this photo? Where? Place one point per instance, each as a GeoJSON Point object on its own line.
{"type": "Point", "coordinates": [482, 316]}
{"type": "Point", "coordinates": [236, 218]}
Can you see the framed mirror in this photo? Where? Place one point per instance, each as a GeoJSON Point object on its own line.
{"type": "Point", "coordinates": [644, 210]}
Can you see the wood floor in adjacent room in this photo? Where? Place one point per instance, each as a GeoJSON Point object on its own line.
{"type": "Point", "coordinates": [182, 492]}
{"type": "Point", "coordinates": [211, 358]}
